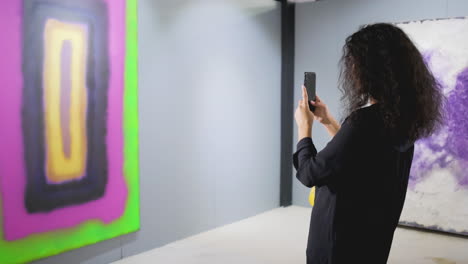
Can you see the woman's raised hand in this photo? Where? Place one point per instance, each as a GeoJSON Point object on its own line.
{"type": "Point", "coordinates": [321, 112]}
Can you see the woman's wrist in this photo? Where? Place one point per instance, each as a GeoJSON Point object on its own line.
{"type": "Point", "coordinates": [327, 119]}
{"type": "Point", "coordinates": [303, 132]}
{"type": "Point", "coordinates": [332, 126]}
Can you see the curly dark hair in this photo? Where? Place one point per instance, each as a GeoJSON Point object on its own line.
{"type": "Point", "coordinates": [380, 61]}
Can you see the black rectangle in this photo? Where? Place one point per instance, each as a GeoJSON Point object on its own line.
{"type": "Point", "coordinates": [309, 83]}
{"type": "Point", "coordinates": [287, 101]}
{"type": "Point", "coordinates": [41, 196]}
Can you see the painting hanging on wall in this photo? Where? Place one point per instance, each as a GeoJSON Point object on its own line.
{"type": "Point", "coordinates": [69, 127]}
{"type": "Point", "coordinates": [438, 187]}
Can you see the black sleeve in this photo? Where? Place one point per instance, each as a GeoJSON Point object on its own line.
{"type": "Point", "coordinates": [317, 169]}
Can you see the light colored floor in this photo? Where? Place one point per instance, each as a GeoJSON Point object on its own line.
{"type": "Point", "coordinates": [279, 236]}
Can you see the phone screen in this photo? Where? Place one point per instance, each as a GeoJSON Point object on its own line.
{"type": "Point", "coordinates": [309, 83]}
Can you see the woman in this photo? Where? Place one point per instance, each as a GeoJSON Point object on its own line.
{"type": "Point", "coordinates": [362, 174]}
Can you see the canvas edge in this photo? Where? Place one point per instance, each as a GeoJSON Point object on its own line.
{"type": "Point", "coordinates": [433, 228]}
{"type": "Point", "coordinates": [131, 124]}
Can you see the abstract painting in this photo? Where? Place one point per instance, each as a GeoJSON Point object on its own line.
{"type": "Point", "coordinates": [437, 195]}
{"type": "Point", "coordinates": [69, 137]}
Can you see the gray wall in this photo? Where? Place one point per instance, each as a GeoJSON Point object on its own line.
{"type": "Point", "coordinates": [209, 112]}
{"type": "Point", "coordinates": [321, 29]}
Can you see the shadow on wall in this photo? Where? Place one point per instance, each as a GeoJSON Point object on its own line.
{"type": "Point", "coordinates": [168, 12]}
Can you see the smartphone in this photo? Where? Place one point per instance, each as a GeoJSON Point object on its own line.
{"type": "Point", "coordinates": [309, 83]}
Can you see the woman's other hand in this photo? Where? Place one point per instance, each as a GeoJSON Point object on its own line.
{"type": "Point", "coordinates": [321, 112]}
{"type": "Point", "coordinates": [322, 115]}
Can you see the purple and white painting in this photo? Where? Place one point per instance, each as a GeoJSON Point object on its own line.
{"type": "Point", "coordinates": [437, 196]}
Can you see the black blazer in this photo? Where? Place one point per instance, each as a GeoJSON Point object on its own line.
{"type": "Point", "coordinates": [361, 178]}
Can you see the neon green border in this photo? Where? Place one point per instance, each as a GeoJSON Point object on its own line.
{"type": "Point", "coordinates": [52, 243]}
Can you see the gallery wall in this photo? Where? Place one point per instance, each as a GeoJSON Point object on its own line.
{"type": "Point", "coordinates": [209, 113]}
{"type": "Point", "coordinates": [321, 29]}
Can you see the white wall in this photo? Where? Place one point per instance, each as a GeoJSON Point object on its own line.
{"type": "Point", "coordinates": [321, 29]}
{"type": "Point", "coordinates": [209, 111]}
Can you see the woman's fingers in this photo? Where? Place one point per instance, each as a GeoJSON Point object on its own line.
{"type": "Point", "coordinates": [305, 96]}
{"type": "Point", "coordinates": [317, 98]}
{"type": "Point", "coordinates": [319, 101]}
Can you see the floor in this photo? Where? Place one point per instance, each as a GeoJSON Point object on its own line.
{"type": "Point", "coordinates": [279, 236]}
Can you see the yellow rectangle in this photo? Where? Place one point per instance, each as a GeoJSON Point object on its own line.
{"type": "Point", "coordinates": [59, 166]}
